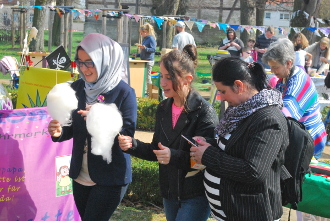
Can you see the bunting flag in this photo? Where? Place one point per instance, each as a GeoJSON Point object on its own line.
{"type": "Point", "coordinates": [59, 12]}
{"type": "Point", "coordinates": [129, 15]}
{"type": "Point", "coordinates": [325, 31]}
{"type": "Point", "coordinates": [189, 24]}
{"type": "Point", "coordinates": [260, 28]}
{"type": "Point", "coordinates": [213, 25]}
{"type": "Point", "coordinates": [247, 27]}
{"type": "Point", "coordinates": [200, 26]}
{"type": "Point", "coordinates": [312, 29]}
{"type": "Point", "coordinates": [137, 17]}
{"type": "Point", "coordinates": [297, 30]}
{"type": "Point", "coordinates": [235, 27]}
{"type": "Point", "coordinates": [317, 33]}
{"type": "Point", "coordinates": [223, 27]}
{"type": "Point", "coordinates": [96, 16]}
{"type": "Point", "coordinates": [159, 21]}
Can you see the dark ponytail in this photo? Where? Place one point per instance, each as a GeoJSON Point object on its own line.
{"type": "Point", "coordinates": [228, 70]}
{"type": "Point", "coordinates": [191, 51]}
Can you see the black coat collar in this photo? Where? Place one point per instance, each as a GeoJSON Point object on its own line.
{"type": "Point", "coordinates": [194, 102]}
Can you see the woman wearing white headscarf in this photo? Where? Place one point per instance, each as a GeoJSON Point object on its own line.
{"type": "Point", "coordinates": [98, 187]}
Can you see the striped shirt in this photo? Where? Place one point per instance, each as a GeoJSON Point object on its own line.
{"type": "Point", "coordinates": [301, 102]}
{"type": "Point", "coordinates": [211, 184]}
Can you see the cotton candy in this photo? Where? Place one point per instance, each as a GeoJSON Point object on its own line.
{"type": "Point", "coordinates": [104, 122]}
{"type": "Point", "coordinates": [61, 101]}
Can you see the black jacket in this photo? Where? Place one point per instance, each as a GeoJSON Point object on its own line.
{"type": "Point", "coordinates": [199, 119]}
{"type": "Point", "coordinates": [119, 171]}
{"type": "Point", "coordinates": [250, 167]}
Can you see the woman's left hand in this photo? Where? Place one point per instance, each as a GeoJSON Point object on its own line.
{"type": "Point", "coordinates": [142, 46]}
{"type": "Point", "coordinates": [163, 155]}
{"type": "Point", "coordinates": [196, 153]}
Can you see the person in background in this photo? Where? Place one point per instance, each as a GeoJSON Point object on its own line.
{"type": "Point", "coordinates": [246, 55]}
{"type": "Point", "coordinates": [148, 48]}
{"type": "Point", "coordinates": [98, 187]}
{"type": "Point", "coordinates": [262, 43]}
{"type": "Point", "coordinates": [300, 97]}
{"type": "Point", "coordinates": [232, 44]}
{"type": "Point", "coordinates": [254, 54]}
{"type": "Point", "coordinates": [300, 57]}
{"type": "Point", "coordinates": [182, 38]}
{"type": "Point", "coordinates": [243, 165]}
{"type": "Point", "coordinates": [300, 38]}
{"type": "Point", "coordinates": [318, 50]}
{"type": "Point", "coordinates": [184, 112]}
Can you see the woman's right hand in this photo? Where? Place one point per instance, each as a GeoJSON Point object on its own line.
{"type": "Point", "coordinates": [54, 128]}
{"type": "Point", "coordinates": [125, 142]}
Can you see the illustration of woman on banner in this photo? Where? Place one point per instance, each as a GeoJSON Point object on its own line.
{"type": "Point", "coordinates": [64, 179]}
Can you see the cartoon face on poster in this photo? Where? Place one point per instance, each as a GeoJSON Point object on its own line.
{"type": "Point", "coordinates": [63, 181]}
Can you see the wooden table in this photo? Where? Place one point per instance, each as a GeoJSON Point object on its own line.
{"type": "Point", "coordinates": [138, 76]}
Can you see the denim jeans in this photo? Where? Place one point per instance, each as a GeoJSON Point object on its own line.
{"type": "Point", "coordinates": [97, 202]}
{"type": "Point", "coordinates": [194, 209]}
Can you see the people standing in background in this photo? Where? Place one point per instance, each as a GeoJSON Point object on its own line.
{"type": "Point", "coordinates": [300, 57]}
{"type": "Point", "coordinates": [254, 54]}
{"type": "Point", "coordinates": [300, 98]}
{"type": "Point", "coordinates": [184, 112]}
{"type": "Point", "coordinates": [246, 55]}
{"type": "Point", "coordinates": [148, 48]}
{"type": "Point", "coordinates": [262, 43]}
{"type": "Point", "coordinates": [182, 38]}
{"type": "Point", "coordinates": [232, 44]}
{"type": "Point", "coordinates": [318, 50]}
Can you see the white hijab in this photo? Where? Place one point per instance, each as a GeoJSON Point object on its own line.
{"type": "Point", "coordinates": [108, 58]}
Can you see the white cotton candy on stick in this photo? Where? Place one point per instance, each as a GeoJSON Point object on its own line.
{"type": "Point", "coordinates": [61, 101]}
{"type": "Point", "coordinates": [104, 122]}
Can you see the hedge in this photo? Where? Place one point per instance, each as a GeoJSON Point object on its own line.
{"type": "Point", "coordinates": [145, 185]}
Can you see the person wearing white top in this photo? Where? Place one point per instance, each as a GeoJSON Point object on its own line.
{"type": "Point", "coordinates": [182, 38]}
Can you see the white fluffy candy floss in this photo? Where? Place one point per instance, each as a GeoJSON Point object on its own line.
{"type": "Point", "coordinates": [104, 122]}
{"type": "Point", "coordinates": [61, 101]}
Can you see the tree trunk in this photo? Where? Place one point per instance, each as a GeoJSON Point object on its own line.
{"type": "Point", "coordinates": [248, 17]}
{"type": "Point", "coordinates": [39, 23]}
{"type": "Point", "coordinates": [312, 7]}
{"type": "Point", "coordinates": [220, 11]}
{"type": "Point", "coordinates": [172, 10]}
{"type": "Point", "coordinates": [260, 13]}
{"type": "Point", "coordinates": [56, 37]}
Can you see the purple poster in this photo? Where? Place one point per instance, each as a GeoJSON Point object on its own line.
{"type": "Point", "coordinates": [34, 181]}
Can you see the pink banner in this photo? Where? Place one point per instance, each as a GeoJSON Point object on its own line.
{"type": "Point", "coordinates": [34, 182]}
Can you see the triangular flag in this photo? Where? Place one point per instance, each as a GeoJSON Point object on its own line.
{"type": "Point", "coordinates": [96, 16]}
{"type": "Point", "coordinates": [317, 33]}
{"type": "Point", "coordinates": [325, 31]}
{"type": "Point", "coordinates": [235, 27]}
{"type": "Point", "coordinates": [59, 12]}
{"type": "Point", "coordinates": [248, 28]}
{"type": "Point", "coordinates": [200, 26]}
{"type": "Point", "coordinates": [137, 17]}
{"type": "Point", "coordinates": [223, 27]}
{"type": "Point", "coordinates": [260, 28]}
{"type": "Point", "coordinates": [129, 15]}
{"type": "Point", "coordinates": [312, 29]}
{"type": "Point", "coordinates": [189, 24]}
{"type": "Point", "coordinates": [159, 22]}
{"type": "Point", "coordinates": [296, 29]}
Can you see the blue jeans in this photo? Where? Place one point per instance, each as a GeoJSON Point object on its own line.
{"type": "Point", "coordinates": [194, 209]}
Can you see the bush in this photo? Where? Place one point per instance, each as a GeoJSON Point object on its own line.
{"type": "Point", "coordinates": [145, 185]}
{"type": "Point", "coordinates": [146, 116]}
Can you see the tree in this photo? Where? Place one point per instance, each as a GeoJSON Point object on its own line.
{"type": "Point", "coordinates": [248, 17]}
{"type": "Point", "coordinates": [312, 7]}
{"type": "Point", "coordinates": [39, 23]}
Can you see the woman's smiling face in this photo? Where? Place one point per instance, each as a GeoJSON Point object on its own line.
{"type": "Point", "coordinates": [90, 73]}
